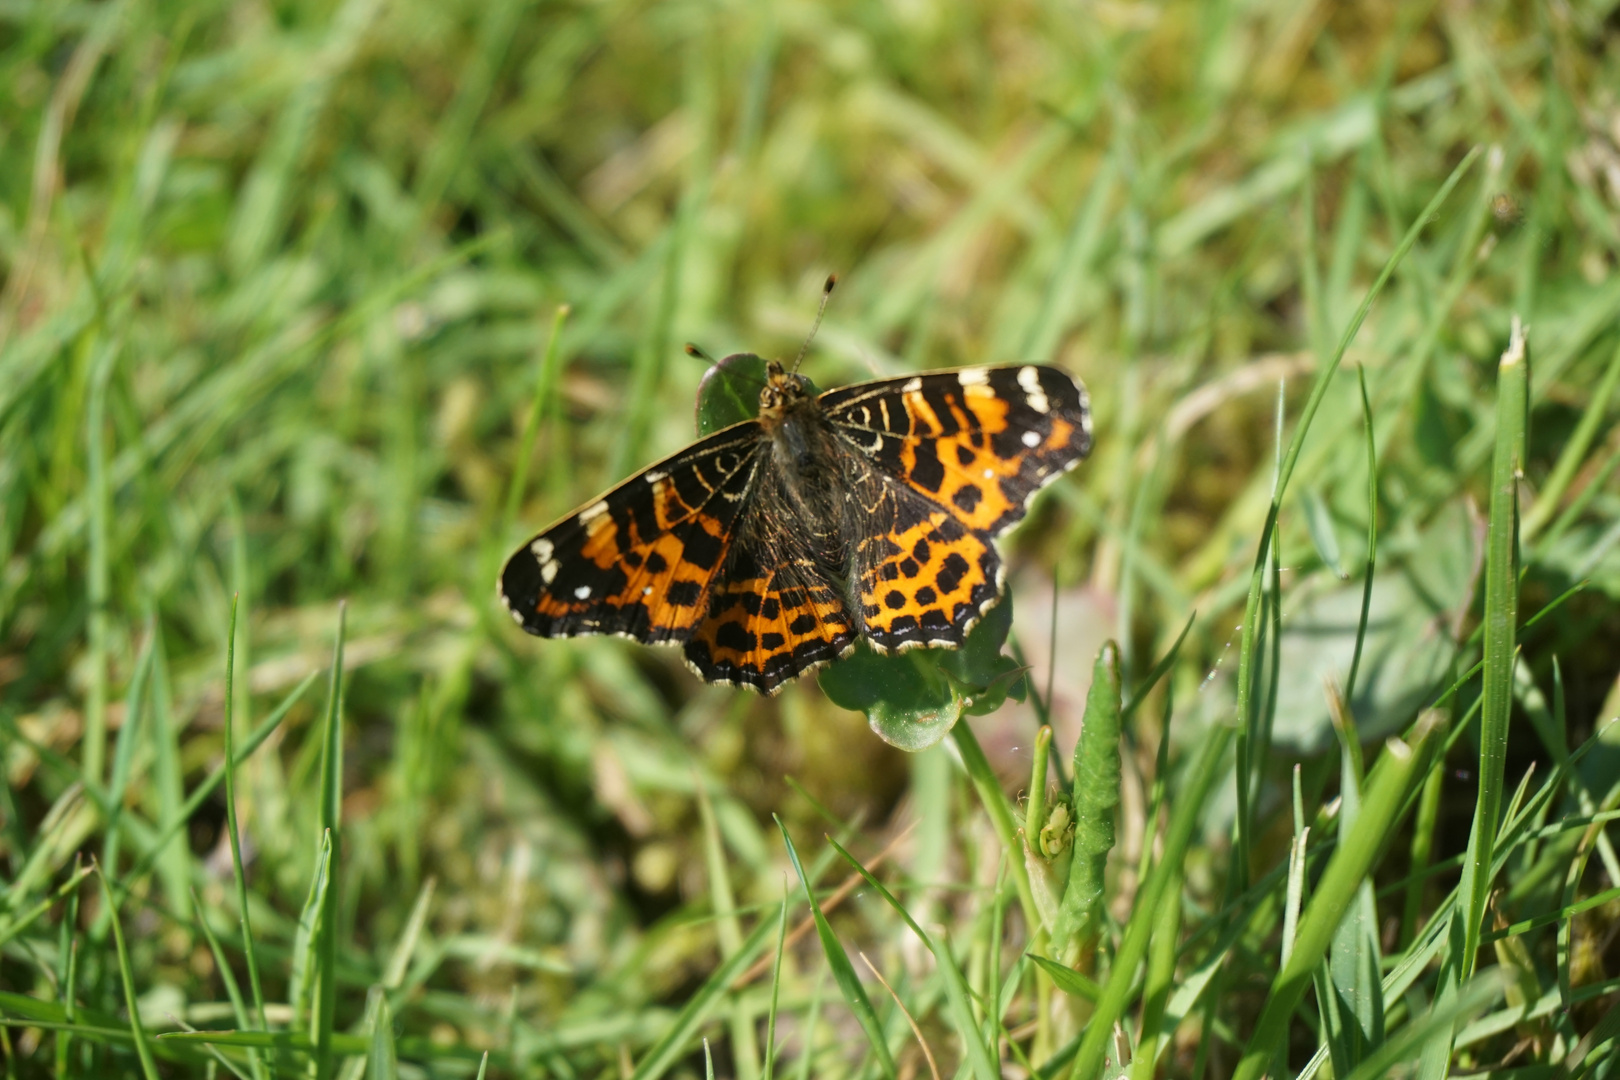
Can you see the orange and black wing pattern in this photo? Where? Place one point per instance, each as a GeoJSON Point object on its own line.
{"type": "Point", "coordinates": [773, 617]}
{"type": "Point", "coordinates": [712, 549]}
{"type": "Point", "coordinates": [640, 561]}
{"type": "Point", "coordinates": [964, 453]}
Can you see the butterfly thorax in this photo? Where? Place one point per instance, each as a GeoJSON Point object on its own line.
{"type": "Point", "coordinates": [801, 442]}
{"type": "Point", "coordinates": [807, 465]}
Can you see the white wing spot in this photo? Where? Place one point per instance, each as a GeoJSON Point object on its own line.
{"type": "Point", "coordinates": [592, 512]}
{"type": "Point", "coordinates": [652, 476]}
{"type": "Point", "coordinates": [911, 385]}
{"type": "Point", "coordinates": [646, 590]}
{"type": "Point", "coordinates": [583, 592]}
{"type": "Point", "coordinates": [1031, 439]}
{"type": "Point", "coordinates": [541, 549]}
{"type": "Point", "coordinates": [548, 571]}
{"type": "Point", "coordinates": [973, 377]}
{"type": "Point", "coordinates": [1030, 380]}
{"type": "Point", "coordinates": [989, 474]}
{"type": "Point", "coordinates": [517, 617]}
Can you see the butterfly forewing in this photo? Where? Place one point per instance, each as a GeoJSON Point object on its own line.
{"type": "Point", "coordinates": [977, 442]}
{"type": "Point", "coordinates": [640, 560]}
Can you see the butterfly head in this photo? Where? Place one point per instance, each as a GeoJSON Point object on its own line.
{"type": "Point", "coordinates": [782, 391]}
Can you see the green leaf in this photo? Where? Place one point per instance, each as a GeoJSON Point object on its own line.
{"type": "Point", "coordinates": [912, 699]}
{"type": "Point", "coordinates": [1319, 522]}
{"type": "Point", "coordinates": [1067, 979]}
{"type": "Point", "coordinates": [907, 700]}
{"type": "Point", "coordinates": [729, 392]}
{"type": "Point", "coordinates": [1096, 799]}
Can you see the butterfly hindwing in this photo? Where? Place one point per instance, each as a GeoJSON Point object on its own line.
{"type": "Point", "coordinates": [926, 579]}
{"type": "Point", "coordinates": [639, 561]}
{"type": "Point", "coordinates": [967, 450]}
{"type": "Point", "coordinates": [768, 623]}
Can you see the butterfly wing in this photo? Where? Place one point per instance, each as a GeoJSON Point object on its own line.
{"type": "Point", "coordinates": [772, 617]}
{"type": "Point", "coordinates": [964, 453]}
{"type": "Point", "coordinates": [640, 561]}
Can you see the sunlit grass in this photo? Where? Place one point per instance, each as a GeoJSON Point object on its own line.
{"type": "Point", "coordinates": [310, 312]}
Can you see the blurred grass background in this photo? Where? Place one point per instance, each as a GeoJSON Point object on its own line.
{"type": "Point", "coordinates": [279, 280]}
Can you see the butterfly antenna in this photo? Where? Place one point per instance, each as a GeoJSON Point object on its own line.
{"type": "Point", "coordinates": [693, 350]}
{"type": "Point", "coordinates": [826, 294]}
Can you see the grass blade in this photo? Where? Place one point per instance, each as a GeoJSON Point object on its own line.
{"type": "Point", "coordinates": [708, 998]}
{"type": "Point", "coordinates": [239, 873]}
{"type": "Point", "coordinates": [306, 958]}
{"type": "Point", "coordinates": [1000, 812]}
{"type": "Point", "coordinates": [136, 1030]}
{"type": "Point", "coordinates": [129, 734]}
{"type": "Point", "coordinates": [1067, 979]}
{"type": "Point", "coordinates": [843, 972]}
{"type": "Point", "coordinates": [1116, 990]}
{"type": "Point", "coordinates": [323, 1013]}
{"type": "Point", "coordinates": [776, 988]}
{"type": "Point", "coordinates": [957, 994]}
{"type": "Point", "coordinates": [1251, 613]}
{"type": "Point", "coordinates": [1501, 625]}
{"type": "Point", "coordinates": [1441, 1019]}
{"type": "Point", "coordinates": [1161, 972]}
{"type": "Point", "coordinates": [744, 1047]}
{"type": "Point", "coordinates": [221, 773]}
{"type": "Point", "coordinates": [1338, 888]}
{"type": "Point", "coordinates": [540, 407]}
{"type": "Point", "coordinates": [1573, 455]}
{"type": "Point", "coordinates": [382, 1062]}
{"type": "Point", "coordinates": [1372, 540]}
{"type": "Point", "coordinates": [94, 751]}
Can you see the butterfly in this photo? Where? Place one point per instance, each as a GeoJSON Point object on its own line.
{"type": "Point", "coordinates": [772, 546]}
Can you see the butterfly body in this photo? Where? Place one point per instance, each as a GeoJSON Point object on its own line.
{"type": "Point", "coordinates": [770, 547]}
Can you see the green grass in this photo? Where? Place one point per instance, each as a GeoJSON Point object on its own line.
{"type": "Point", "coordinates": [310, 312]}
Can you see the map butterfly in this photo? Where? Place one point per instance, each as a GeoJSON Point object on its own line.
{"type": "Point", "coordinates": [771, 546]}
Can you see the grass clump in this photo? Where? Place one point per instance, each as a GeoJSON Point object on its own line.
{"type": "Point", "coordinates": [309, 312]}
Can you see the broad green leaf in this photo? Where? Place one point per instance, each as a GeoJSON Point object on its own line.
{"type": "Point", "coordinates": [912, 699]}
